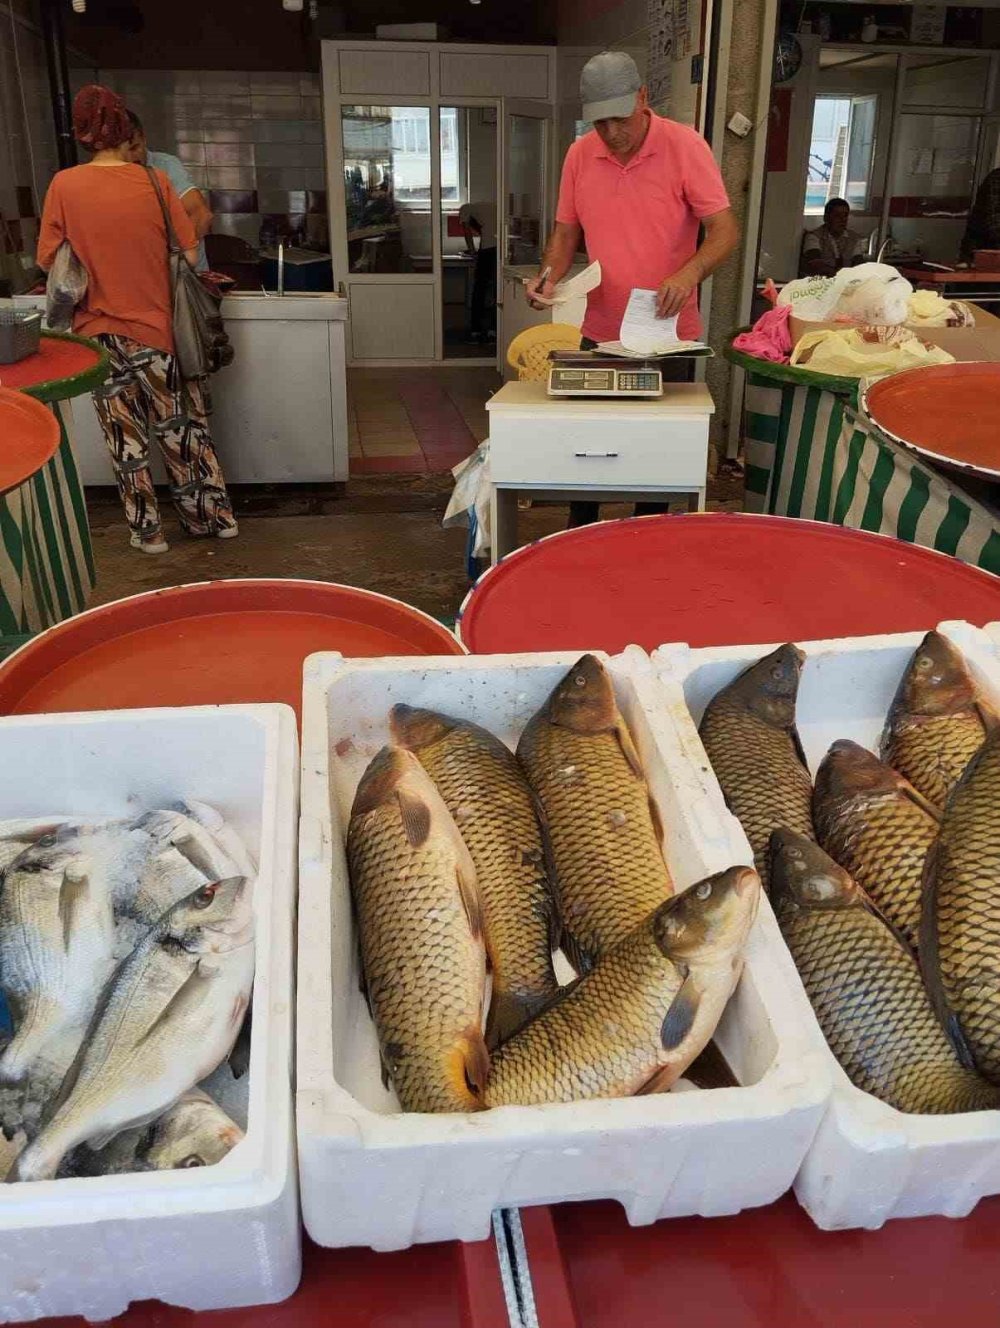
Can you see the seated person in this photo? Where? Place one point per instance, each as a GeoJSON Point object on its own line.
{"type": "Point", "coordinates": [982, 230]}
{"type": "Point", "coordinates": [831, 246]}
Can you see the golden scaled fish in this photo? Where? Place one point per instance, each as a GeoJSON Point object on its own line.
{"type": "Point", "coordinates": [866, 988]}
{"type": "Point", "coordinates": [878, 828]}
{"type": "Point", "coordinates": [419, 919]}
{"type": "Point", "coordinates": [749, 733]}
{"type": "Point", "coordinates": [603, 827]}
{"type": "Point", "coordinates": [486, 791]}
{"type": "Point", "coordinates": [960, 927]}
{"type": "Point", "coordinates": [645, 1011]}
{"type": "Point", "coordinates": [937, 721]}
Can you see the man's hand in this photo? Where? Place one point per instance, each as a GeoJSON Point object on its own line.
{"type": "Point", "coordinates": [672, 294]}
{"type": "Point", "coordinates": [537, 287]}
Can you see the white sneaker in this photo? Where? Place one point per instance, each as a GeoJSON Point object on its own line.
{"type": "Point", "coordinates": [227, 532]}
{"type": "Point", "coordinates": [158, 545]}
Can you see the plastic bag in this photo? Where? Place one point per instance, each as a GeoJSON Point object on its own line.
{"type": "Point", "coordinates": [872, 293]}
{"type": "Point", "coordinates": [845, 353]}
{"type": "Point", "coordinates": [472, 494]}
{"type": "Point", "coordinates": [65, 288]}
{"type": "Point", "coordinates": [930, 309]}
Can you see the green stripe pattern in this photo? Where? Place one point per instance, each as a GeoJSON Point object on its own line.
{"type": "Point", "coordinates": [809, 453]}
{"type": "Point", "coordinates": [47, 571]}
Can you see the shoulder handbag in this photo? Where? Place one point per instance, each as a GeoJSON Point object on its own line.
{"type": "Point", "coordinates": [200, 341]}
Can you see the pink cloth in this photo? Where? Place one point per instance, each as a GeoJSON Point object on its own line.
{"type": "Point", "coordinates": [770, 337]}
{"type": "Point", "coordinates": [640, 221]}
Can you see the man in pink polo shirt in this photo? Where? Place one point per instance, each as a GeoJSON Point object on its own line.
{"type": "Point", "coordinates": [636, 190]}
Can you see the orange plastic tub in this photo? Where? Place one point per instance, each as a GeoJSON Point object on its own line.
{"type": "Point", "coordinates": [30, 435]}
{"type": "Point", "coordinates": [213, 643]}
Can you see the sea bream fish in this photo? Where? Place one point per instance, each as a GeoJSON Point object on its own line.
{"type": "Point", "coordinates": [420, 929]}
{"type": "Point", "coordinates": [165, 1021]}
{"type": "Point", "coordinates": [644, 1012]}
{"type": "Point", "coordinates": [57, 939]}
{"type": "Point", "coordinates": [487, 792]}
{"type": "Point", "coordinates": [603, 826]}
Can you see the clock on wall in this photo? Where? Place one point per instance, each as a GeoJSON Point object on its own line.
{"type": "Point", "coordinates": [787, 57]}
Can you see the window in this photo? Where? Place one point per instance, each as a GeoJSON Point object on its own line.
{"type": "Point", "coordinates": [841, 151]}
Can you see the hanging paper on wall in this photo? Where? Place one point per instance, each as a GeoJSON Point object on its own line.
{"type": "Point", "coordinates": [659, 63]}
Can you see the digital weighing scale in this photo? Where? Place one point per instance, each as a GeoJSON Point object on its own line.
{"type": "Point", "coordinates": [584, 374]}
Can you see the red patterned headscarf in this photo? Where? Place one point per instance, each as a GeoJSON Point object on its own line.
{"type": "Point", "coordinates": [100, 118]}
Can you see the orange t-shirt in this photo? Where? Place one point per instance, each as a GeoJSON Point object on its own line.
{"type": "Point", "coordinates": [111, 216]}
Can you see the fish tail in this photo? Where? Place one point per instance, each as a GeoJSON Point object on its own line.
{"type": "Point", "coordinates": [469, 1068]}
{"type": "Point", "coordinates": [509, 1011]}
{"type": "Point", "coordinates": [41, 1159]}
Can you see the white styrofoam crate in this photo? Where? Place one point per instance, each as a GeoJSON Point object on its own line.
{"type": "Point", "coordinates": [372, 1175]}
{"type": "Point", "coordinates": [868, 1161]}
{"type": "Point", "coordinates": [204, 1238]}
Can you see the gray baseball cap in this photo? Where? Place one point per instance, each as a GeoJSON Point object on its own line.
{"type": "Point", "coordinates": [609, 85]}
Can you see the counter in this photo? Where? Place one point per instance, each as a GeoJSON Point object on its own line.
{"type": "Point", "coordinates": [280, 409]}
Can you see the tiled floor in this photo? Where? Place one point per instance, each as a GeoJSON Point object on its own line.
{"type": "Point", "coordinates": [416, 421]}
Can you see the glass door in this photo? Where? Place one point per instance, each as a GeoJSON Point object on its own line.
{"type": "Point", "coordinates": [526, 178]}
{"type": "Point", "coordinates": [469, 227]}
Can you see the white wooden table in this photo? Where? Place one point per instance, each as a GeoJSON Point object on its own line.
{"type": "Point", "coordinates": [597, 449]}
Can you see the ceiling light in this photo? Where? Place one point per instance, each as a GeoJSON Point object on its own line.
{"type": "Point", "coordinates": [79, 6]}
{"type": "Point", "coordinates": [293, 6]}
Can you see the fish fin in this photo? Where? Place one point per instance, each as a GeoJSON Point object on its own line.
{"type": "Point", "coordinates": [988, 717]}
{"type": "Point", "coordinates": [508, 1013]}
{"type": "Point", "coordinates": [800, 751]}
{"type": "Point", "coordinates": [628, 748]}
{"type": "Point", "coordinates": [575, 953]}
{"type": "Point", "coordinates": [239, 1057]}
{"type": "Point", "coordinates": [189, 993]}
{"type": "Point", "coordinates": [657, 819]}
{"type": "Point", "coordinates": [11, 1110]}
{"type": "Point", "coordinates": [918, 800]}
{"type": "Point", "coordinates": [711, 1069]}
{"type": "Point", "coordinates": [679, 1019]}
{"type": "Point", "coordinates": [73, 894]}
{"type": "Point", "coordinates": [549, 868]}
{"type": "Point", "coordinates": [468, 888]}
{"type": "Point", "coordinates": [416, 818]}
{"type": "Point", "coordinates": [383, 1071]}
{"type": "Point", "coordinates": [928, 952]}
{"type": "Point", "coordinates": [474, 1065]}
{"type": "Point", "coordinates": [660, 1081]}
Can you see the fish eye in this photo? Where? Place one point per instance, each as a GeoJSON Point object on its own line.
{"type": "Point", "coordinates": [703, 889]}
{"type": "Point", "coordinates": [777, 672]}
{"type": "Point", "coordinates": [924, 663]}
{"type": "Point", "coordinates": [205, 895]}
{"type": "Point", "coordinates": [580, 680]}
{"type": "Point", "coordinates": [192, 1160]}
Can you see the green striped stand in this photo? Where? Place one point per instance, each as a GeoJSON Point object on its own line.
{"type": "Point", "coordinates": [810, 453]}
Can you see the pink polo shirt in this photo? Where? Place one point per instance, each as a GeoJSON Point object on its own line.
{"type": "Point", "coordinates": [640, 221]}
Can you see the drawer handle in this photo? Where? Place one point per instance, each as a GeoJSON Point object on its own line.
{"type": "Point", "coordinates": [595, 454]}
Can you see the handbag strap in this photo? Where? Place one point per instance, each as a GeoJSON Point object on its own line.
{"type": "Point", "coordinates": [173, 244]}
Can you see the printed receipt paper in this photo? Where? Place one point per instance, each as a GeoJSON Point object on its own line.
{"type": "Point", "coordinates": [643, 332]}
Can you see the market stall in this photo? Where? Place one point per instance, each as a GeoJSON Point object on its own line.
{"type": "Point", "coordinates": [46, 535]}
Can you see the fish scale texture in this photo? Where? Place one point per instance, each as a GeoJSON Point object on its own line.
{"type": "Point", "coordinates": [424, 970]}
{"type": "Point", "coordinates": [765, 784]}
{"type": "Point", "coordinates": [609, 866]}
{"type": "Point", "coordinates": [602, 1039]}
{"type": "Point", "coordinates": [882, 842]}
{"type": "Point", "coordinates": [487, 793]}
{"type": "Point", "coordinates": [932, 753]}
{"type": "Point", "coordinates": [966, 912]}
{"type": "Point", "coordinates": [871, 1004]}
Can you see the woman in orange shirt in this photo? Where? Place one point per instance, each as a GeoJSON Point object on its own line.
{"type": "Point", "coordinates": [109, 212]}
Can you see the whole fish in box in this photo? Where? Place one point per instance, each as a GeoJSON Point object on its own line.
{"type": "Point", "coordinates": [645, 1011]}
{"type": "Point", "coordinates": [57, 939]}
{"type": "Point", "coordinates": [486, 791]}
{"type": "Point", "coordinates": [749, 733]}
{"type": "Point", "coordinates": [166, 1019]}
{"type": "Point", "coordinates": [420, 927]}
{"type": "Point", "coordinates": [937, 721]}
{"type": "Point", "coordinates": [604, 829]}
{"type": "Point", "coordinates": [866, 988]}
{"type": "Point", "coordinates": [194, 1132]}
{"type": "Point", "coordinates": [960, 930]}
{"type": "Point", "coordinates": [879, 828]}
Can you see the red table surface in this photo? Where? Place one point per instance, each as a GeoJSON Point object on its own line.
{"type": "Point", "coordinates": [765, 1268]}
{"type": "Point", "coordinates": [55, 359]}
{"type": "Point", "coordinates": [716, 578]}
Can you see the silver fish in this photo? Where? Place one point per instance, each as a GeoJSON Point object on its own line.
{"type": "Point", "coordinates": [167, 1018]}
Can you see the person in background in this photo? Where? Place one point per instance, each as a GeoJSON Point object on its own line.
{"type": "Point", "coordinates": [636, 190]}
{"type": "Point", "coordinates": [193, 200]}
{"type": "Point", "coordinates": [109, 212]}
{"type": "Point", "coordinates": [833, 245]}
{"type": "Point", "coordinates": [982, 230]}
{"type": "Point", "coordinates": [479, 222]}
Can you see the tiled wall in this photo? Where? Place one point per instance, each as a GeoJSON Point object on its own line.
{"type": "Point", "coordinates": [27, 139]}
{"type": "Point", "coordinates": [252, 141]}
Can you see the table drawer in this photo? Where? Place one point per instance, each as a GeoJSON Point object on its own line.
{"type": "Point", "coordinates": [609, 454]}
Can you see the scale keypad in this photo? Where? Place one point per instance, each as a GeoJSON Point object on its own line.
{"type": "Point", "coordinates": [637, 382]}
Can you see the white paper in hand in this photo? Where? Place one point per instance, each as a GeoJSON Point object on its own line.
{"type": "Point", "coordinates": [575, 288]}
{"type": "Point", "coordinates": [642, 330]}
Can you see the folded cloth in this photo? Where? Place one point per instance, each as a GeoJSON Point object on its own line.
{"type": "Point", "coordinates": [769, 338]}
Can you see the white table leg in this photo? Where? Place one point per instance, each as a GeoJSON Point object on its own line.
{"type": "Point", "coordinates": [503, 511]}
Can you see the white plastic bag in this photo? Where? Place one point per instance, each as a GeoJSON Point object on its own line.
{"type": "Point", "coordinates": [472, 494]}
{"type": "Point", "coordinates": [65, 288]}
{"type": "Point", "coordinates": [871, 293]}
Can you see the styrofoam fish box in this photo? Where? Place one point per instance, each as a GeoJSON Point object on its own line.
{"type": "Point", "coordinates": [372, 1175]}
{"type": "Point", "coordinates": [868, 1162]}
{"type": "Point", "coordinates": [208, 1237]}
